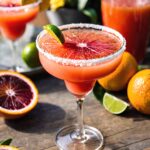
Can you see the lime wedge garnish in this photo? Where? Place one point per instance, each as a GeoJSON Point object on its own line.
{"type": "Point", "coordinates": [113, 104]}
{"type": "Point", "coordinates": [55, 32]}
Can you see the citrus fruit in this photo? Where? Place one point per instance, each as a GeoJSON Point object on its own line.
{"type": "Point", "coordinates": [139, 91]}
{"type": "Point", "coordinates": [55, 32]}
{"type": "Point", "coordinates": [30, 55]}
{"type": "Point", "coordinates": [118, 79]}
{"type": "Point", "coordinates": [114, 104]}
{"type": "Point", "coordinates": [81, 44]}
{"type": "Point", "coordinates": [6, 147]}
{"type": "Point", "coordinates": [18, 94]}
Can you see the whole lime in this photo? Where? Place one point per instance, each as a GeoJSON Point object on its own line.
{"type": "Point", "coordinates": [30, 55]}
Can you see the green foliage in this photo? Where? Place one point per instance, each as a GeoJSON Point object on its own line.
{"type": "Point", "coordinates": [91, 13]}
{"type": "Point", "coordinates": [6, 142]}
{"type": "Point", "coordinates": [82, 4]}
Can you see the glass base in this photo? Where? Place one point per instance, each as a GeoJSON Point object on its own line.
{"type": "Point", "coordinates": [66, 139]}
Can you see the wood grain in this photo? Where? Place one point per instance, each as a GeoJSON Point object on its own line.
{"type": "Point", "coordinates": [57, 108]}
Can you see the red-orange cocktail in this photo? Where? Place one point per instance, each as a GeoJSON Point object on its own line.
{"type": "Point", "coordinates": [89, 52]}
{"type": "Point", "coordinates": [132, 19]}
{"type": "Point", "coordinates": [13, 19]}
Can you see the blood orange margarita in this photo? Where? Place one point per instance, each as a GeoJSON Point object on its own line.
{"type": "Point", "coordinates": [14, 17]}
{"type": "Point", "coordinates": [89, 52]}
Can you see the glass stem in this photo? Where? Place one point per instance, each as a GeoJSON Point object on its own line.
{"type": "Point", "coordinates": [14, 54]}
{"type": "Point", "coordinates": [80, 130]}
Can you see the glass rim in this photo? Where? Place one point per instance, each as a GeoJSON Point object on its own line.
{"type": "Point", "coordinates": [83, 62]}
{"type": "Point", "coordinates": [17, 8]}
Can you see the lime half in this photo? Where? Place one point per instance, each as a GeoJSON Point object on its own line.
{"type": "Point", "coordinates": [55, 32]}
{"type": "Point", "coordinates": [113, 104]}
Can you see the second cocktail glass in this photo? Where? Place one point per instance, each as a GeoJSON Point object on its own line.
{"type": "Point", "coordinates": [132, 19]}
{"type": "Point", "coordinates": [89, 52]}
{"type": "Point", "coordinates": [13, 20]}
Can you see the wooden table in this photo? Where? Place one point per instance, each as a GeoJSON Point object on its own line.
{"type": "Point", "coordinates": [57, 108]}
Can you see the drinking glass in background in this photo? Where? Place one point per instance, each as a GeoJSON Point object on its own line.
{"type": "Point", "coordinates": [132, 19]}
{"type": "Point", "coordinates": [13, 21]}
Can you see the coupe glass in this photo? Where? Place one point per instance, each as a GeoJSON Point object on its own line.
{"type": "Point", "coordinates": [13, 21]}
{"type": "Point", "coordinates": [80, 77]}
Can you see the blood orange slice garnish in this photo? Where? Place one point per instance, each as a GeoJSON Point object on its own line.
{"type": "Point", "coordinates": [82, 44]}
{"type": "Point", "coordinates": [18, 94]}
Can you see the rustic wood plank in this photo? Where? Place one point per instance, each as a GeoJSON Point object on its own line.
{"type": "Point", "coordinates": [56, 108]}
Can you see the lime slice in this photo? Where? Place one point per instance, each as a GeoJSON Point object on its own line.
{"type": "Point", "coordinates": [55, 32]}
{"type": "Point", "coordinates": [113, 104]}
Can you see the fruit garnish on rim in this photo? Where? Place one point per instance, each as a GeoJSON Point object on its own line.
{"type": "Point", "coordinates": [18, 95]}
{"type": "Point", "coordinates": [55, 32]}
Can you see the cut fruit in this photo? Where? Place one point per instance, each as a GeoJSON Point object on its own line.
{"type": "Point", "coordinates": [113, 104]}
{"type": "Point", "coordinates": [81, 44]}
{"type": "Point", "coordinates": [18, 95]}
{"type": "Point", "coordinates": [5, 147]}
{"type": "Point", "coordinates": [55, 32]}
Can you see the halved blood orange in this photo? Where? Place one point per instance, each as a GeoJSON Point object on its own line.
{"type": "Point", "coordinates": [18, 94]}
{"type": "Point", "coordinates": [5, 147]}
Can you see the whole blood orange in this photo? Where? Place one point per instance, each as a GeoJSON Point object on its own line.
{"type": "Point", "coordinates": [118, 79]}
{"type": "Point", "coordinates": [18, 94]}
{"type": "Point", "coordinates": [139, 91]}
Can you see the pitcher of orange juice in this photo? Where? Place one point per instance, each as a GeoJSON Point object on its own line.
{"type": "Point", "coordinates": [132, 19]}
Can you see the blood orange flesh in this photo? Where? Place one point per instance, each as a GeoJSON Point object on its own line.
{"type": "Point", "coordinates": [82, 44]}
{"type": "Point", "coordinates": [14, 93]}
{"type": "Point", "coordinates": [18, 94]}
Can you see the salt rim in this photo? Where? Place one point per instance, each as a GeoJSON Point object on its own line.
{"type": "Point", "coordinates": [89, 62]}
{"type": "Point", "coordinates": [17, 8]}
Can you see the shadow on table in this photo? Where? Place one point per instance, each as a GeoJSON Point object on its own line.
{"type": "Point", "coordinates": [48, 84]}
{"type": "Point", "coordinates": [137, 116]}
{"type": "Point", "coordinates": [45, 118]}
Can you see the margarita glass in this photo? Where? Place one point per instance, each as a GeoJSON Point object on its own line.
{"type": "Point", "coordinates": [89, 52]}
{"type": "Point", "coordinates": [13, 20]}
